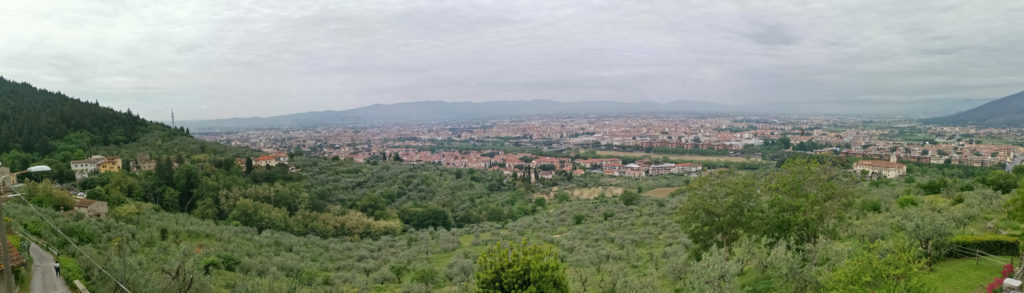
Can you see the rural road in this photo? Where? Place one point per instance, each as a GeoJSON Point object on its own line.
{"type": "Point", "coordinates": [44, 279]}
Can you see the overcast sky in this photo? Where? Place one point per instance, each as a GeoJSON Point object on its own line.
{"type": "Point", "coordinates": [218, 59]}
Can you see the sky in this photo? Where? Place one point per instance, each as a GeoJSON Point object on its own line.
{"type": "Point", "coordinates": [219, 59]}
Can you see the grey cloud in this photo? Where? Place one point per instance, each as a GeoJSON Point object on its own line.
{"type": "Point", "coordinates": [211, 59]}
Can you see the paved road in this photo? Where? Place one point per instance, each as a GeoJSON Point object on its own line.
{"type": "Point", "coordinates": [44, 279]}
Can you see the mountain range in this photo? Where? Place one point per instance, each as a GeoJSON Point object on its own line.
{"type": "Point", "coordinates": [456, 111]}
{"type": "Point", "coordinates": [1007, 111]}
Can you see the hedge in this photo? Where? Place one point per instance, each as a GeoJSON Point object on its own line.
{"type": "Point", "coordinates": [991, 243]}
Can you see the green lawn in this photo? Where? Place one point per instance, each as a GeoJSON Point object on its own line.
{"type": "Point", "coordinates": [963, 275]}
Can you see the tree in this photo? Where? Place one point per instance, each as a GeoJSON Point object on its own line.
{"type": "Point", "coordinates": [520, 267]}
{"type": "Point", "coordinates": [186, 180]}
{"type": "Point", "coordinates": [1000, 181]}
{"type": "Point", "coordinates": [426, 217]}
{"type": "Point", "coordinates": [248, 165]}
{"type": "Point", "coordinates": [786, 142]}
{"type": "Point", "coordinates": [934, 186]}
{"type": "Point", "coordinates": [718, 209]}
{"type": "Point", "coordinates": [714, 272]}
{"type": "Point", "coordinates": [1015, 206]}
{"type": "Point", "coordinates": [46, 195]}
{"type": "Point", "coordinates": [930, 230]}
{"type": "Point", "coordinates": [878, 269]}
{"type": "Point", "coordinates": [540, 202]}
{"type": "Point", "coordinates": [165, 171]}
{"type": "Point", "coordinates": [259, 215]}
{"type": "Point", "coordinates": [562, 196]}
{"type": "Point", "coordinates": [805, 200]}
{"type": "Point", "coordinates": [629, 197]}
{"type": "Point", "coordinates": [578, 218]}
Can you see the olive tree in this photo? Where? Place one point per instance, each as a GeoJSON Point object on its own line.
{"type": "Point", "coordinates": [520, 267]}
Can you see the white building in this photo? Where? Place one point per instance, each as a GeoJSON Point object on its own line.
{"type": "Point", "coordinates": [85, 167]}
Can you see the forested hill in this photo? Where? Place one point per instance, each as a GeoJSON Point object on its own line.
{"type": "Point", "coordinates": [1007, 111]}
{"type": "Point", "coordinates": [35, 120]}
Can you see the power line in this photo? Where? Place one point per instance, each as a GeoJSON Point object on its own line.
{"type": "Point", "coordinates": [75, 245]}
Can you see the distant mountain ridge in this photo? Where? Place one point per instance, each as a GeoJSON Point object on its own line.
{"type": "Point", "coordinates": [1007, 111]}
{"type": "Point", "coordinates": [454, 111]}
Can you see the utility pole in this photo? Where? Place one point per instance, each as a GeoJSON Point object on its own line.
{"type": "Point", "coordinates": [5, 253]}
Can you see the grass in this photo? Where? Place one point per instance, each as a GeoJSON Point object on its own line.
{"type": "Point", "coordinates": [660, 192]}
{"type": "Point", "coordinates": [963, 274]}
{"type": "Point", "coordinates": [24, 279]}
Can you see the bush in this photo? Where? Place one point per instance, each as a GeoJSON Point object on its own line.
{"type": "Point", "coordinates": [989, 243]}
{"type": "Point", "coordinates": [69, 269]}
{"type": "Point", "coordinates": [578, 218]}
{"type": "Point", "coordinates": [540, 202]}
{"type": "Point", "coordinates": [520, 268]}
{"type": "Point", "coordinates": [629, 198]}
{"type": "Point", "coordinates": [871, 205]}
{"type": "Point", "coordinates": [562, 196]}
{"type": "Point", "coordinates": [906, 201]}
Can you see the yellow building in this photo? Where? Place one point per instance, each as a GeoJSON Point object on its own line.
{"type": "Point", "coordinates": [110, 164]}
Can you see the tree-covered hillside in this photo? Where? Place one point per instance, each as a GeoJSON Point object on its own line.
{"type": "Point", "coordinates": [1005, 112]}
{"type": "Point", "coordinates": [32, 119]}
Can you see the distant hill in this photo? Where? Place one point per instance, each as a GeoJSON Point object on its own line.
{"type": "Point", "coordinates": [1007, 111]}
{"type": "Point", "coordinates": [454, 111]}
{"type": "Point", "coordinates": [39, 121]}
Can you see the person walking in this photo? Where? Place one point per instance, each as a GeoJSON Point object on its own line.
{"type": "Point", "coordinates": [56, 268]}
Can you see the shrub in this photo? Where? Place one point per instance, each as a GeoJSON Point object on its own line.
{"type": "Point", "coordinates": [608, 215]}
{"type": "Point", "coordinates": [906, 201]}
{"type": "Point", "coordinates": [578, 218]}
{"type": "Point", "coordinates": [520, 268]}
{"type": "Point", "coordinates": [989, 243]}
{"type": "Point", "coordinates": [871, 205]}
{"type": "Point", "coordinates": [69, 269]}
{"type": "Point", "coordinates": [540, 202]}
{"type": "Point", "coordinates": [629, 198]}
{"type": "Point", "coordinates": [562, 196]}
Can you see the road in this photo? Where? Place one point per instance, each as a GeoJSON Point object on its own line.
{"type": "Point", "coordinates": [44, 279]}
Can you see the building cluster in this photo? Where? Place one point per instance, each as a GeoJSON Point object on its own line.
{"type": "Point", "coordinates": [849, 136]}
{"type": "Point", "coordinates": [266, 161]}
{"type": "Point", "coordinates": [101, 164]}
{"type": "Point", "coordinates": [978, 155]}
{"type": "Point", "coordinates": [644, 168]}
{"type": "Point", "coordinates": [96, 164]}
{"type": "Point", "coordinates": [520, 164]}
{"type": "Point", "coordinates": [879, 168]}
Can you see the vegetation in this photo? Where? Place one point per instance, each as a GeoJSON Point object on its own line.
{"type": "Point", "coordinates": [520, 268]}
{"type": "Point", "coordinates": [200, 222]}
{"type": "Point", "coordinates": [989, 243]}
